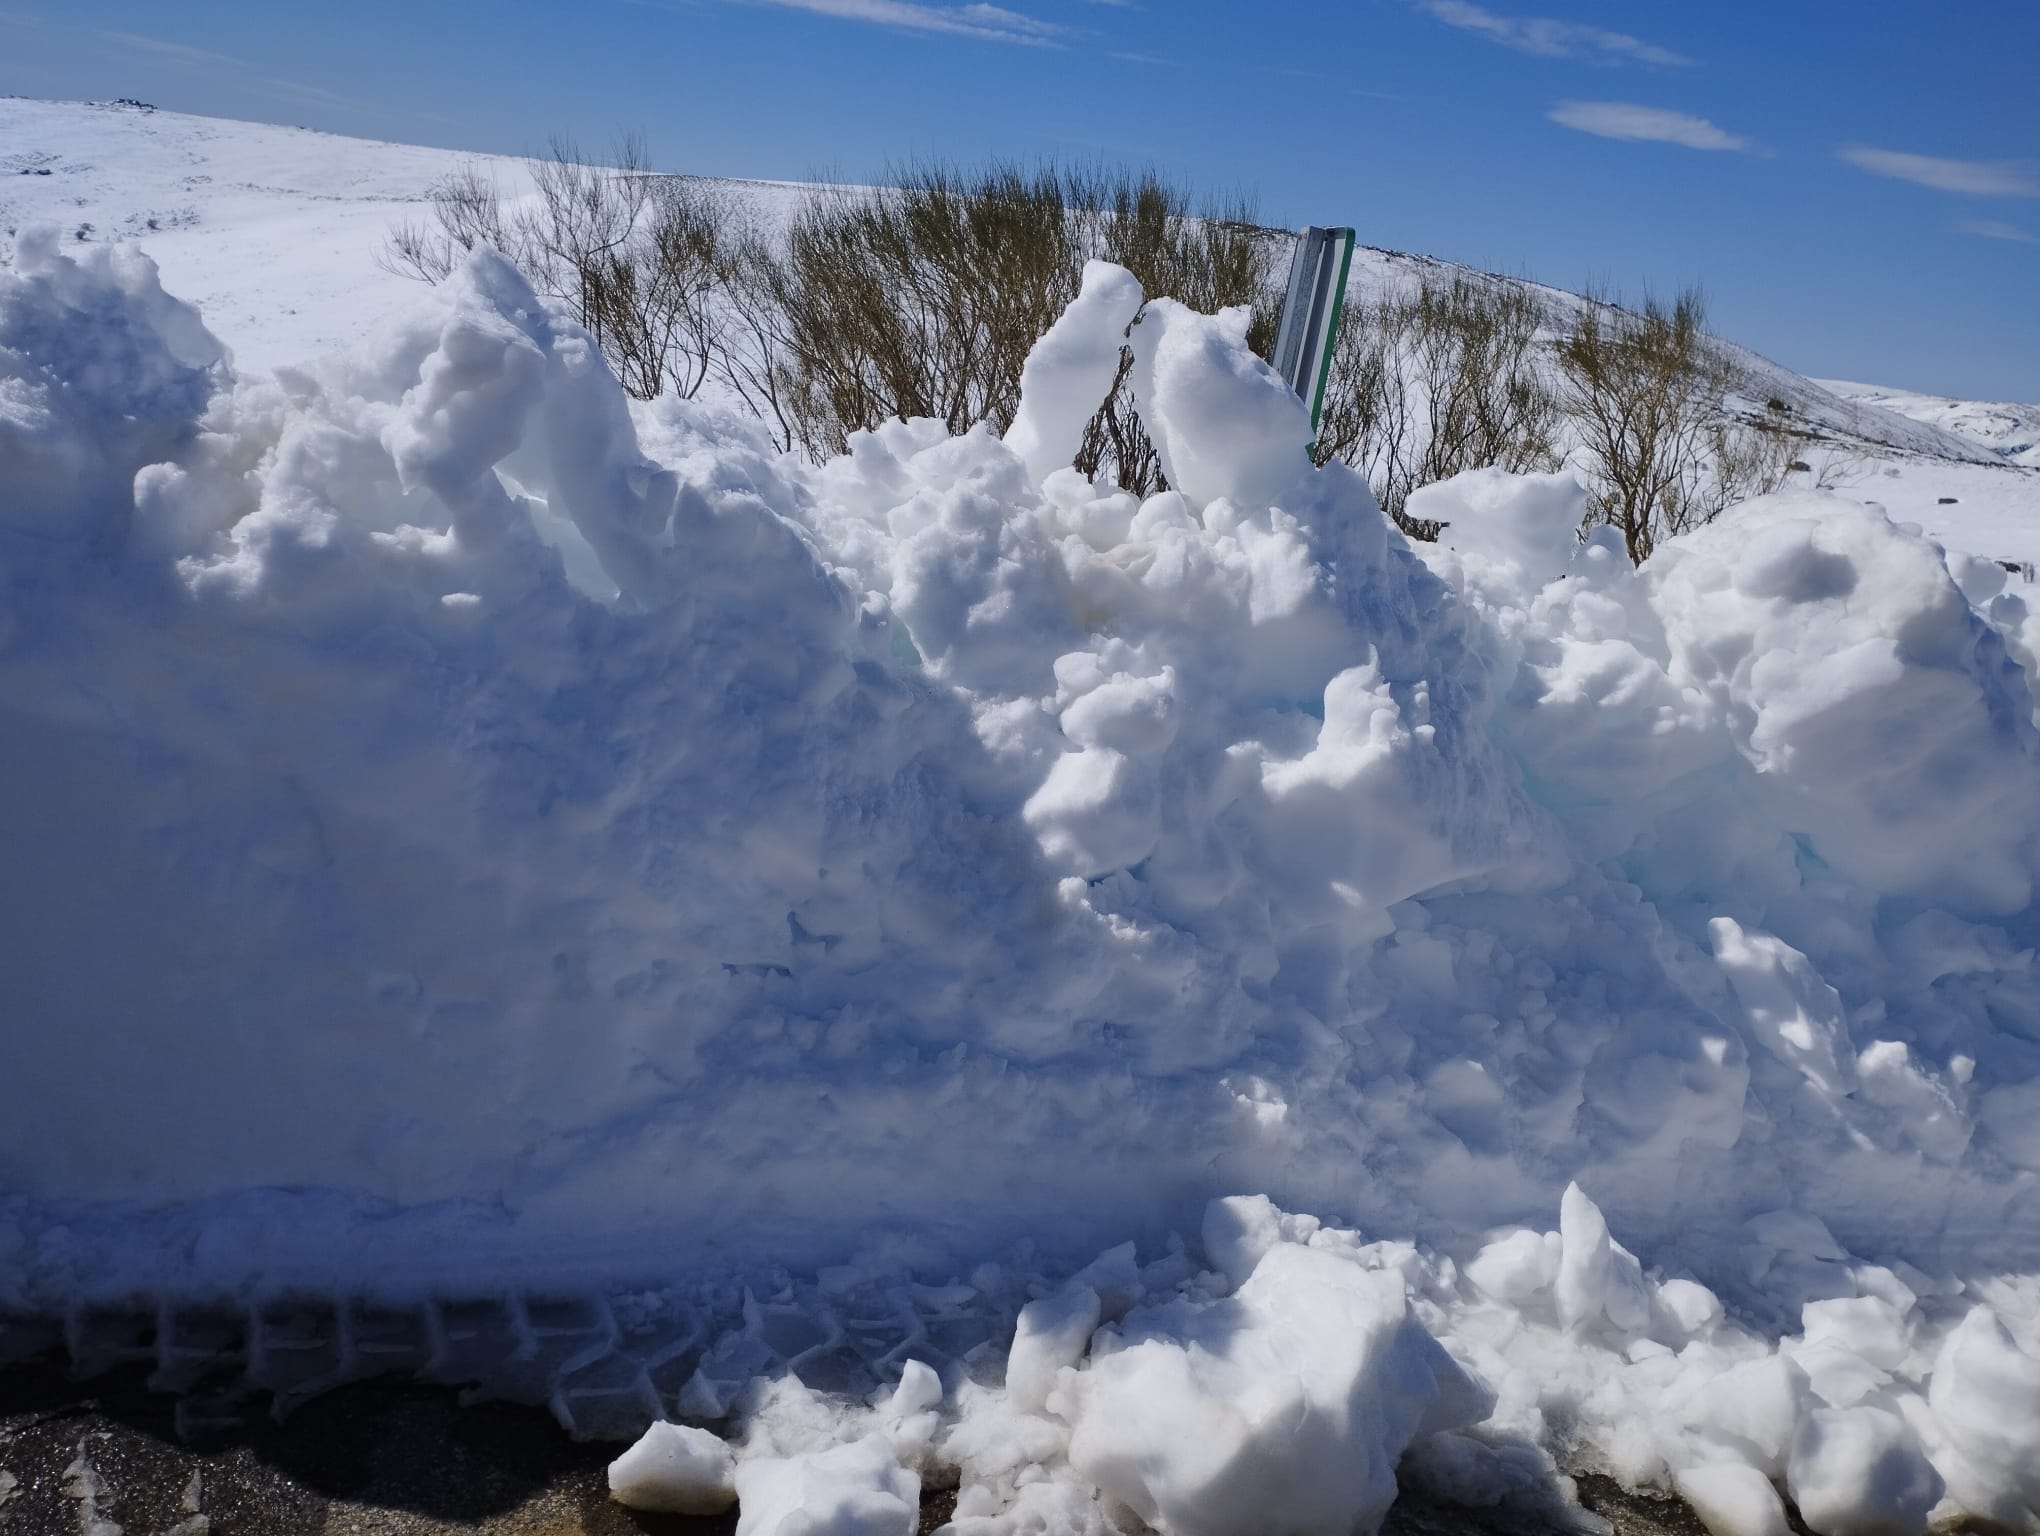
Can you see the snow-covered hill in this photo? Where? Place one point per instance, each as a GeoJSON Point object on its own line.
{"type": "Point", "coordinates": [273, 232]}
{"type": "Point", "coordinates": [1170, 1014]}
{"type": "Point", "coordinates": [2010, 431]}
{"type": "Point", "coordinates": [1818, 409]}
{"type": "Point", "coordinates": [277, 235]}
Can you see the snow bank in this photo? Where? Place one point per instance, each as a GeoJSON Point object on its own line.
{"type": "Point", "coordinates": [462, 834]}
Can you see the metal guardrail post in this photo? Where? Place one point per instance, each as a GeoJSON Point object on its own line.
{"type": "Point", "coordinates": [1310, 313]}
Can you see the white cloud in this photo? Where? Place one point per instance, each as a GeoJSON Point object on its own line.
{"type": "Point", "coordinates": [1550, 39]}
{"type": "Point", "coordinates": [1648, 125]}
{"type": "Point", "coordinates": [1995, 229]}
{"type": "Point", "coordinates": [988, 23]}
{"type": "Point", "coordinates": [1976, 178]}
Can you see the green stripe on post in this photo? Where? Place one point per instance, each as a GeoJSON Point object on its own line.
{"type": "Point", "coordinates": [1346, 239]}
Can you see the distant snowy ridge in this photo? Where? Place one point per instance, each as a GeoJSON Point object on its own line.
{"type": "Point", "coordinates": [2010, 431]}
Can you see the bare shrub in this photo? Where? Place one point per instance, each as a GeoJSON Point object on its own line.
{"type": "Point", "coordinates": [918, 299]}
{"type": "Point", "coordinates": [653, 300]}
{"type": "Point", "coordinates": [921, 298]}
{"type": "Point", "coordinates": [467, 210]}
{"type": "Point", "coordinates": [754, 341]}
{"type": "Point", "coordinates": [636, 257]}
{"type": "Point", "coordinates": [1440, 379]}
{"type": "Point", "coordinates": [1650, 394]}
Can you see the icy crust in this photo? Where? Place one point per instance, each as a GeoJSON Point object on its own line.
{"type": "Point", "coordinates": [462, 832]}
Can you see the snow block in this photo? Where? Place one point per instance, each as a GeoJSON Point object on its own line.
{"type": "Point", "coordinates": [1282, 1409]}
{"type": "Point", "coordinates": [858, 1489]}
{"type": "Point", "coordinates": [677, 1470]}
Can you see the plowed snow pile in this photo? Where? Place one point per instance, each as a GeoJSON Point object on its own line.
{"type": "Point", "coordinates": [456, 833]}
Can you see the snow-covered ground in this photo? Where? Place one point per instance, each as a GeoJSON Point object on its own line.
{"type": "Point", "coordinates": [273, 232]}
{"type": "Point", "coordinates": [937, 924]}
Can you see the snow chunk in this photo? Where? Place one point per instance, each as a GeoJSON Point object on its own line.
{"type": "Point", "coordinates": [1885, 723]}
{"type": "Point", "coordinates": [1518, 1265]}
{"type": "Point", "coordinates": [1052, 1334]}
{"type": "Point", "coordinates": [1985, 1396]}
{"type": "Point", "coordinates": [1222, 421]}
{"type": "Point", "coordinates": [675, 1469]}
{"type": "Point", "coordinates": [1283, 1408]}
{"type": "Point", "coordinates": [1070, 370]}
{"type": "Point", "coordinates": [859, 1489]}
{"type": "Point", "coordinates": [101, 374]}
{"type": "Point", "coordinates": [1794, 1014]}
{"type": "Point", "coordinates": [1239, 1231]}
{"type": "Point", "coordinates": [1096, 811]}
{"type": "Point", "coordinates": [1732, 1499]}
{"type": "Point", "coordinates": [1860, 1472]}
{"type": "Point", "coordinates": [1511, 534]}
{"type": "Point", "coordinates": [1597, 1277]}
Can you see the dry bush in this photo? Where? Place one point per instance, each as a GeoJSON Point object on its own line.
{"type": "Point", "coordinates": [919, 299]}
{"type": "Point", "coordinates": [637, 257]}
{"type": "Point", "coordinates": [753, 339]}
{"type": "Point", "coordinates": [923, 298]}
{"type": "Point", "coordinates": [1649, 392]}
{"type": "Point", "coordinates": [467, 211]}
{"type": "Point", "coordinates": [1444, 378]}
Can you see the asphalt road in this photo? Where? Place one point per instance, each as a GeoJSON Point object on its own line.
{"type": "Point", "coordinates": [395, 1458]}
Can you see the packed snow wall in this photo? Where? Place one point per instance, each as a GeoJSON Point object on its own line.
{"type": "Point", "coordinates": [421, 798]}
{"type": "Point", "coordinates": [460, 833]}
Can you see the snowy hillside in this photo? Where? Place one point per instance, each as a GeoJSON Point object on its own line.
{"type": "Point", "coordinates": [1967, 473]}
{"type": "Point", "coordinates": [1853, 423]}
{"type": "Point", "coordinates": [1170, 1014]}
{"type": "Point", "coordinates": [277, 233]}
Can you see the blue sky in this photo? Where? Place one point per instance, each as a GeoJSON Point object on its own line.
{"type": "Point", "coordinates": [1856, 185]}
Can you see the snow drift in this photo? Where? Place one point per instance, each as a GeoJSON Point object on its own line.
{"type": "Point", "coordinates": [460, 833]}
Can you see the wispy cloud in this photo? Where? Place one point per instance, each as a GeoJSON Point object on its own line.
{"type": "Point", "coordinates": [1145, 58]}
{"type": "Point", "coordinates": [190, 57]}
{"type": "Point", "coordinates": [1997, 229]}
{"type": "Point", "coordinates": [1976, 178]}
{"type": "Point", "coordinates": [178, 53]}
{"type": "Point", "coordinates": [1646, 125]}
{"type": "Point", "coordinates": [988, 23]}
{"type": "Point", "coordinates": [1550, 39]}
